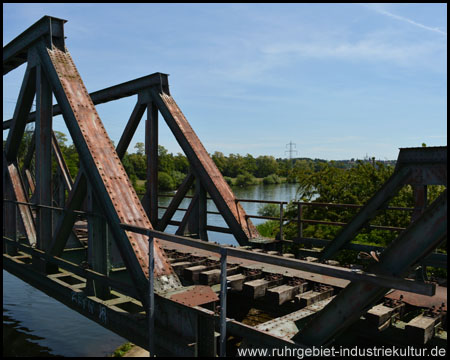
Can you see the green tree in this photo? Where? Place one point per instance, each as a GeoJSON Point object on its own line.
{"type": "Point", "coordinates": [140, 148]}
{"type": "Point", "coordinates": [181, 163]}
{"type": "Point", "coordinates": [266, 165]}
{"type": "Point", "coordinates": [165, 181]}
{"type": "Point", "coordinates": [250, 165]}
{"type": "Point", "coordinates": [245, 179]}
{"type": "Point", "coordinates": [220, 160]}
{"type": "Point", "coordinates": [139, 165]}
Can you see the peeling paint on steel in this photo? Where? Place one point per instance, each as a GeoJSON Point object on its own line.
{"type": "Point", "coordinates": [116, 182]}
{"type": "Point", "coordinates": [198, 295]}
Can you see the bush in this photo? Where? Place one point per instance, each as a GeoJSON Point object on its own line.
{"type": "Point", "coordinates": [245, 179]}
{"type": "Point", "coordinates": [177, 177]}
{"type": "Point", "coordinates": [271, 179]}
{"type": "Point", "coordinates": [269, 210]}
{"type": "Point", "coordinates": [269, 229]}
{"type": "Point", "coordinates": [165, 181]}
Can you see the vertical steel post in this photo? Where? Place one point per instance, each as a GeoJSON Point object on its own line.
{"type": "Point", "coordinates": [281, 220]}
{"type": "Point", "coordinates": [223, 302]}
{"type": "Point", "coordinates": [420, 201]}
{"type": "Point", "coordinates": [202, 210]}
{"type": "Point", "coordinates": [151, 146]}
{"type": "Point", "coordinates": [299, 220]}
{"type": "Point", "coordinates": [151, 298]}
{"type": "Point", "coordinates": [420, 204]}
{"type": "Point", "coordinates": [10, 225]}
{"type": "Point", "coordinates": [44, 115]}
{"type": "Point", "coordinates": [9, 209]}
{"type": "Point", "coordinates": [98, 246]}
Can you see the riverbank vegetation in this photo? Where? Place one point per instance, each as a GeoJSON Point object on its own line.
{"type": "Point", "coordinates": [356, 185]}
{"type": "Point", "coordinates": [345, 182]}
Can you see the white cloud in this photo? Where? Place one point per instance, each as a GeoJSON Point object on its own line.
{"type": "Point", "coordinates": [380, 10]}
{"type": "Point", "coordinates": [373, 47]}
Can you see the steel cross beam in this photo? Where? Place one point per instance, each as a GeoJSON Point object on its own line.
{"type": "Point", "coordinates": [378, 201]}
{"type": "Point", "coordinates": [79, 189]}
{"type": "Point", "coordinates": [418, 240]}
{"type": "Point", "coordinates": [16, 191]}
{"type": "Point", "coordinates": [23, 106]}
{"type": "Point", "coordinates": [129, 88]}
{"type": "Point", "coordinates": [108, 178]}
{"type": "Point", "coordinates": [415, 166]}
{"type": "Point", "coordinates": [208, 173]}
{"type": "Point", "coordinates": [176, 201]}
{"type": "Point", "coordinates": [48, 28]}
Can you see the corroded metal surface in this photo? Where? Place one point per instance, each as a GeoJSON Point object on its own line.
{"type": "Point", "coordinates": [24, 210]}
{"type": "Point", "coordinates": [198, 295]}
{"type": "Point", "coordinates": [108, 165]}
{"type": "Point", "coordinates": [210, 175]}
{"type": "Point", "coordinates": [421, 300]}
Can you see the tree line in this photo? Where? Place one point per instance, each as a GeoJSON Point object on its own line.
{"type": "Point", "coordinates": [346, 182]}
{"type": "Point", "coordinates": [237, 170]}
{"type": "Point", "coordinates": [355, 185]}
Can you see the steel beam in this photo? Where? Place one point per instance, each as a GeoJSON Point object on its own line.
{"type": "Point", "coordinates": [18, 194]}
{"type": "Point", "coordinates": [62, 166]}
{"type": "Point", "coordinates": [130, 129]}
{"type": "Point", "coordinates": [78, 194]}
{"type": "Point", "coordinates": [49, 28]}
{"type": "Point", "coordinates": [9, 210]}
{"type": "Point", "coordinates": [176, 201]}
{"type": "Point", "coordinates": [43, 160]}
{"type": "Point", "coordinates": [422, 156]}
{"type": "Point", "coordinates": [233, 213]}
{"type": "Point", "coordinates": [183, 229]}
{"type": "Point", "coordinates": [316, 268]}
{"type": "Point", "coordinates": [115, 92]}
{"type": "Point", "coordinates": [201, 210]}
{"type": "Point", "coordinates": [30, 185]}
{"type": "Point", "coordinates": [377, 202]}
{"type": "Point", "coordinates": [67, 220]}
{"type": "Point", "coordinates": [434, 259]}
{"type": "Point", "coordinates": [98, 249]}
{"type": "Point", "coordinates": [419, 239]}
{"type": "Point", "coordinates": [151, 149]}
{"type": "Point", "coordinates": [30, 152]}
{"type": "Point", "coordinates": [23, 106]}
{"type": "Point", "coordinates": [79, 189]}
{"type": "Point", "coordinates": [106, 174]}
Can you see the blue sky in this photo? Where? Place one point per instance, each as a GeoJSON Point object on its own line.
{"type": "Point", "coordinates": [339, 80]}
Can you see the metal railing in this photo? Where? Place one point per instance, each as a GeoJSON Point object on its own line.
{"type": "Point", "coordinates": [300, 220]}
{"type": "Point", "coordinates": [317, 268]}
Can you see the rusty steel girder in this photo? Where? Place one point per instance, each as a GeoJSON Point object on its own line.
{"type": "Point", "coordinates": [418, 240]}
{"type": "Point", "coordinates": [210, 176]}
{"type": "Point", "coordinates": [104, 170]}
{"type": "Point", "coordinates": [20, 195]}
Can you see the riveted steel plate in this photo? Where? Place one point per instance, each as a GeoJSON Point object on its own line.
{"type": "Point", "coordinates": [198, 295]}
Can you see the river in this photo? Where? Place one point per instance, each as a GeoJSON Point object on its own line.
{"type": "Point", "coordinates": [35, 324]}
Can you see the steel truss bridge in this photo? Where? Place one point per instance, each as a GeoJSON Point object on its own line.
{"type": "Point", "coordinates": [92, 244]}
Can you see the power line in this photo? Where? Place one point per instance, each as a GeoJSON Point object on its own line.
{"type": "Point", "coordinates": [291, 150]}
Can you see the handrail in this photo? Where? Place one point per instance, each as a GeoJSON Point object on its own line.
{"type": "Point", "coordinates": [299, 220]}
{"type": "Point", "coordinates": [318, 268]}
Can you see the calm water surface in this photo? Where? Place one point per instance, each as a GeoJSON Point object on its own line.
{"type": "Point", "coordinates": [34, 324]}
